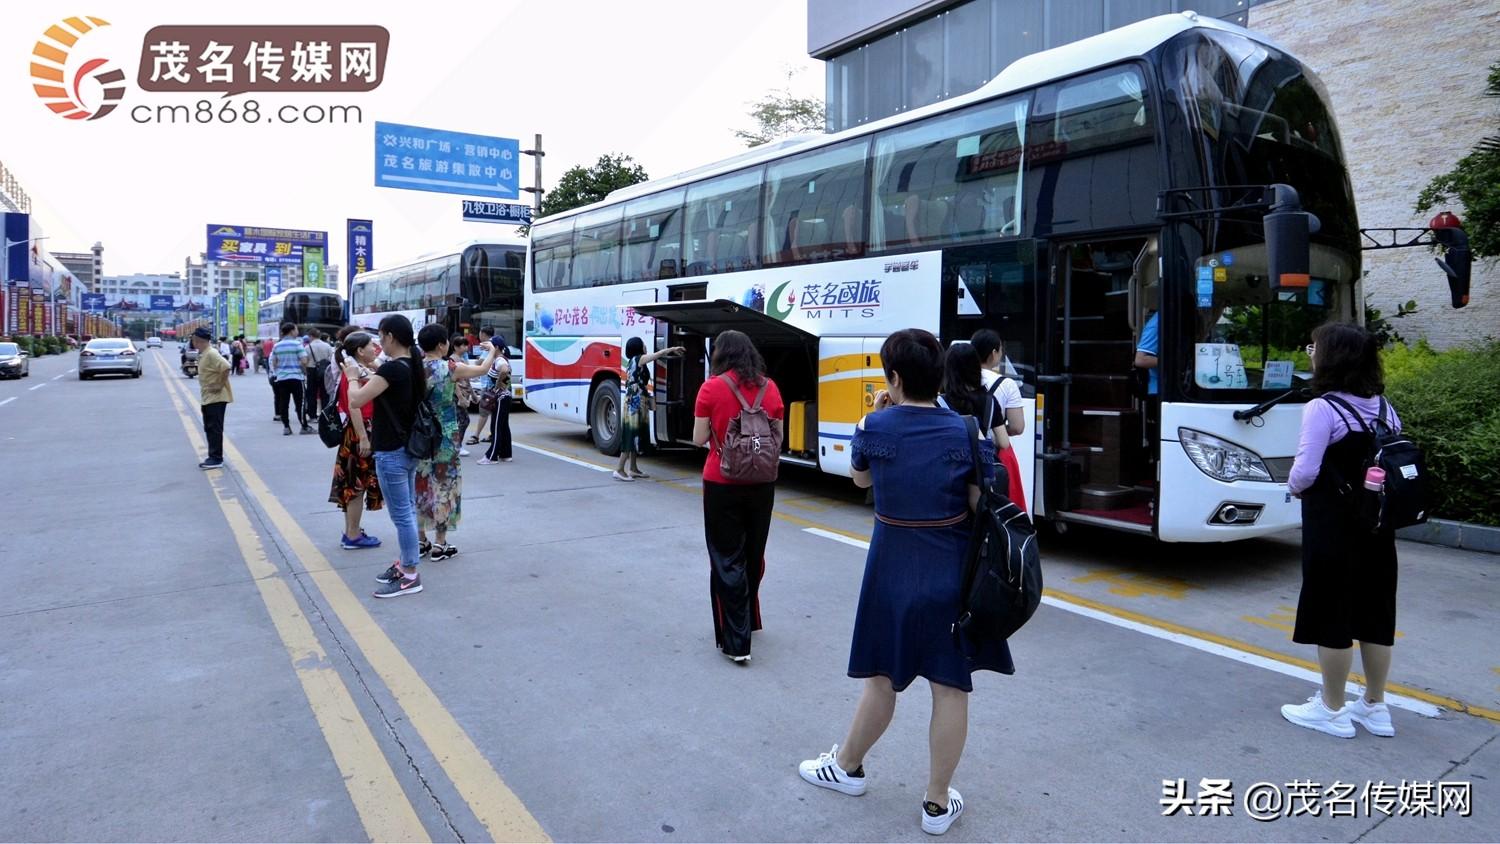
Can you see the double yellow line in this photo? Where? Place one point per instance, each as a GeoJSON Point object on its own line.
{"type": "Point", "coordinates": [382, 805]}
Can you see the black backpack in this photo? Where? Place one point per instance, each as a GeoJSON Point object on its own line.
{"type": "Point", "coordinates": [1002, 584]}
{"type": "Point", "coordinates": [426, 435]}
{"type": "Point", "coordinates": [1404, 499]}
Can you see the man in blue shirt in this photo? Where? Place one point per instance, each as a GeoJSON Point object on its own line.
{"type": "Point", "coordinates": [1147, 349]}
{"type": "Point", "coordinates": [288, 360]}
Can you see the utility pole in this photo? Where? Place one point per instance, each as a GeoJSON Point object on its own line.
{"type": "Point", "coordinates": [536, 192]}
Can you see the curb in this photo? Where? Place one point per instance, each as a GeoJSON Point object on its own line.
{"type": "Point", "coordinates": [1464, 535]}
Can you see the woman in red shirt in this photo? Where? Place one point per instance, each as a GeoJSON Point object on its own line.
{"type": "Point", "coordinates": [736, 516]}
{"type": "Point", "coordinates": [355, 487]}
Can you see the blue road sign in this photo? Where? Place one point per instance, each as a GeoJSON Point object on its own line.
{"type": "Point", "coordinates": [163, 302]}
{"type": "Point", "coordinates": [93, 302]}
{"type": "Point", "coordinates": [415, 158]}
{"type": "Point", "coordinates": [478, 211]}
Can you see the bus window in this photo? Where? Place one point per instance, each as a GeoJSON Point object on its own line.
{"type": "Point", "coordinates": [552, 246]}
{"type": "Point", "coordinates": [653, 237]}
{"type": "Point", "coordinates": [948, 180]}
{"type": "Point", "coordinates": [815, 206]}
{"type": "Point", "coordinates": [1101, 110]}
{"type": "Point", "coordinates": [722, 235]}
{"type": "Point", "coordinates": [596, 248]}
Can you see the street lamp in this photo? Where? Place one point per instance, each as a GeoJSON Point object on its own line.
{"type": "Point", "coordinates": [5, 259]}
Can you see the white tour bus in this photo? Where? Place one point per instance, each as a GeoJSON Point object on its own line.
{"type": "Point", "coordinates": [473, 286]}
{"type": "Point", "coordinates": [1086, 195]}
{"type": "Point", "coordinates": [310, 307]}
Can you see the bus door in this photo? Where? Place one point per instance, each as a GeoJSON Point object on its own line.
{"type": "Point", "coordinates": [678, 379]}
{"type": "Point", "coordinates": [995, 286]}
{"type": "Point", "coordinates": [1096, 466]}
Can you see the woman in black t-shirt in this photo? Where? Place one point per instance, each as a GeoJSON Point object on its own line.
{"type": "Point", "coordinates": [396, 387]}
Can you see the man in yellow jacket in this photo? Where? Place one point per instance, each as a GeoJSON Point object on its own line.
{"type": "Point", "coordinates": [213, 380]}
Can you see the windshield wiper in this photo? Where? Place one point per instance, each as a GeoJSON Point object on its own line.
{"type": "Point", "coordinates": [1260, 409]}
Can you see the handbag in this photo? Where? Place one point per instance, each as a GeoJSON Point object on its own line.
{"type": "Point", "coordinates": [426, 435]}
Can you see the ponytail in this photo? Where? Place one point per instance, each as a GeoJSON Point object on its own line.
{"type": "Point", "coordinates": [399, 327]}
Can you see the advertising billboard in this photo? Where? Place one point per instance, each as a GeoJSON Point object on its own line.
{"type": "Point", "coordinates": [273, 281]}
{"type": "Point", "coordinates": [252, 307]}
{"type": "Point", "coordinates": [255, 244]}
{"type": "Point", "coordinates": [312, 267]}
{"type": "Point", "coordinates": [160, 302]}
{"type": "Point", "coordinates": [361, 248]}
{"type": "Point", "coordinates": [93, 303]}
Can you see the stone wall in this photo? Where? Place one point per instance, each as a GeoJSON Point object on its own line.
{"type": "Point", "coordinates": [1407, 82]}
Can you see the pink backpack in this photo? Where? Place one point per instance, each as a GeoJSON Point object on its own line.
{"type": "Point", "coordinates": [751, 451]}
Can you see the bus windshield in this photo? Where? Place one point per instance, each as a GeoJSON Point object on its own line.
{"type": "Point", "coordinates": [492, 281]}
{"type": "Point", "coordinates": [315, 309]}
{"type": "Point", "coordinates": [1255, 116]}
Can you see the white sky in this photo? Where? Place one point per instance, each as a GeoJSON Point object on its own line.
{"type": "Point", "coordinates": [666, 81]}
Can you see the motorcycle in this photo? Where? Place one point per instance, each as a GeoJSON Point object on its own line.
{"type": "Point", "coordinates": [190, 362]}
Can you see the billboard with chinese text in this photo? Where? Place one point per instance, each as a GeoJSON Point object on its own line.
{"type": "Point", "coordinates": [255, 244]}
{"type": "Point", "coordinates": [416, 158]}
{"type": "Point", "coordinates": [361, 248]}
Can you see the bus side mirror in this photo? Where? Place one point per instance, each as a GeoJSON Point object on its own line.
{"type": "Point", "coordinates": [1288, 253]}
{"type": "Point", "coordinates": [1456, 261]}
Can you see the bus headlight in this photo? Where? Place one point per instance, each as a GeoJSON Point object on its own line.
{"type": "Point", "coordinates": [1220, 459]}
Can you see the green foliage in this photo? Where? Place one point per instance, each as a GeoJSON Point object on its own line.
{"type": "Point", "coordinates": [1475, 182]}
{"type": "Point", "coordinates": [1380, 325]}
{"type": "Point", "coordinates": [1449, 403]}
{"type": "Point", "coordinates": [581, 185]}
{"type": "Point", "coordinates": [24, 344]}
{"type": "Point", "coordinates": [781, 114]}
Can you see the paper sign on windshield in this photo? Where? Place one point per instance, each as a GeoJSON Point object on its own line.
{"type": "Point", "coordinates": [1219, 367]}
{"type": "Point", "coordinates": [1278, 375]}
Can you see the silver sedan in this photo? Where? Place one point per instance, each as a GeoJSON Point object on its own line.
{"type": "Point", "coordinates": [104, 355]}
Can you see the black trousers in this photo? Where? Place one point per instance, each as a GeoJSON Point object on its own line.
{"type": "Point", "coordinates": [289, 390]}
{"type": "Point", "coordinates": [500, 431]}
{"type": "Point", "coordinates": [736, 523]}
{"type": "Point", "coordinates": [317, 392]}
{"type": "Point", "coordinates": [213, 429]}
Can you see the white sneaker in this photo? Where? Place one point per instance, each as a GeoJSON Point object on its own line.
{"type": "Point", "coordinates": [939, 824]}
{"type": "Point", "coordinates": [1315, 715]}
{"type": "Point", "coordinates": [463, 452]}
{"type": "Point", "coordinates": [1374, 717]}
{"type": "Point", "coordinates": [621, 476]}
{"type": "Point", "coordinates": [824, 772]}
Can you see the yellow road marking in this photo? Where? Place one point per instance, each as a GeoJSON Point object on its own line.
{"type": "Point", "coordinates": [491, 800]}
{"type": "Point", "coordinates": [1170, 626]}
{"type": "Point", "coordinates": [1133, 584]}
{"type": "Point", "coordinates": [383, 808]}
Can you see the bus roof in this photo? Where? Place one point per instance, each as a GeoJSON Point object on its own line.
{"type": "Point", "coordinates": [1112, 47]}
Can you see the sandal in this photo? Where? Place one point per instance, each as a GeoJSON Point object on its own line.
{"type": "Point", "coordinates": [472, 440]}
{"type": "Point", "coordinates": [639, 474]}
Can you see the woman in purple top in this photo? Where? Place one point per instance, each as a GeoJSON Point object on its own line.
{"type": "Point", "coordinates": [1348, 572]}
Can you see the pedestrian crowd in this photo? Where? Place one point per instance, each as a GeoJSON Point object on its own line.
{"type": "Point", "coordinates": [916, 451]}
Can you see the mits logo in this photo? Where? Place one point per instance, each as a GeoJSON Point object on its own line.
{"type": "Point", "coordinates": [62, 90]}
{"type": "Point", "coordinates": [826, 301]}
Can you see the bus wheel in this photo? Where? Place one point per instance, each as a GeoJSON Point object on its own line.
{"type": "Point", "coordinates": [604, 417]}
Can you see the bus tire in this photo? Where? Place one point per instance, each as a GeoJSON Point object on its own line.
{"type": "Point", "coordinates": [604, 417]}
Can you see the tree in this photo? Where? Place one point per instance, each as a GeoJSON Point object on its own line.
{"type": "Point", "coordinates": [781, 114]}
{"type": "Point", "coordinates": [581, 186]}
{"type": "Point", "coordinates": [1475, 182]}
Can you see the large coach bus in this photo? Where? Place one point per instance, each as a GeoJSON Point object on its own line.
{"type": "Point", "coordinates": [1086, 194]}
{"type": "Point", "coordinates": [309, 307]}
{"type": "Point", "coordinates": [477, 285]}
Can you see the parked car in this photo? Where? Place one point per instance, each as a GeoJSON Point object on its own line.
{"type": "Point", "coordinates": [109, 355]}
{"type": "Point", "coordinates": [153, 342]}
{"type": "Point", "coordinates": [14, 363]}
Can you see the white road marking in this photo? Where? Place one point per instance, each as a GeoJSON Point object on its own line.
{"type": "Point", "coordinates": [563, 457]}
{"type": "Point", "coordinates": [7, 401]}
{"type": "Point", "coordinates": [37, 387]}
{"type": "Point", "coordinates": [1409, 704]}
{"type": "Point", "coordinates": [838, 537]}
{"type": "Point", "coordinates": [73, 370]}
{"type": "Point", "coordinates": [55, 377]}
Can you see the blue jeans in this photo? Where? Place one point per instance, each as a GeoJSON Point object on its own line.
{"type": "Point", "coordinates": [397, 472]}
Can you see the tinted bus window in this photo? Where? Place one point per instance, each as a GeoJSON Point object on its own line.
{"type": "Point", "coordinates": [1100, 110]}
{"type": "Point", "coordinates": [596, 248]}
{"type": "Point", "coordinates": [653, 237]}
{"type": "Point", "coordinates": [722, 224]}
{"type": "Point", "coordinates": [815, 206]}
{"type": "Point", "coordinates": [950, 179]}
{"type": "Point", "coordinates": [552, 249]}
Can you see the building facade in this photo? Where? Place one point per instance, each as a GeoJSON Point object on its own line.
{"type": "Point", "coordinates": [1403, 118]}
{"type": "Point", "coordinates": [87, 267]}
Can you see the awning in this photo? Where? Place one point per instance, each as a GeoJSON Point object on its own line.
{"type": "Point", "coordinates": [713, 316]}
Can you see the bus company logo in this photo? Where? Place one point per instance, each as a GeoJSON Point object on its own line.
{"type": "Point", "coordinates": [826, 301]}
{"type": "Point", "coordinates": [63, 92]}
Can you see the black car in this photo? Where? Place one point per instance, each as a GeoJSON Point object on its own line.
{"type": "Point", "coordinates": [14, 363]}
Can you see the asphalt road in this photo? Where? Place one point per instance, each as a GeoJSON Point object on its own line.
{"type": "Point", "coordinates": [190, 656]}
